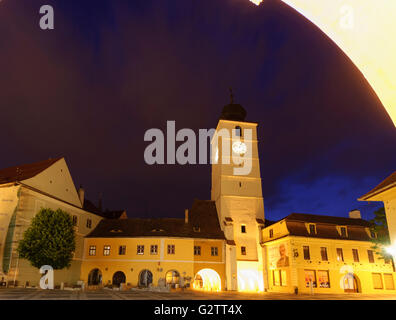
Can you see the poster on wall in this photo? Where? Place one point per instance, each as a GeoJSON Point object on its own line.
{"type": "Point", "coordinates": [278, 256]}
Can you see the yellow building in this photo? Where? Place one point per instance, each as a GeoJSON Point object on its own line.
{"type": "Point", "coordinates": [153, 252]}
{"type": "Point", "coordinates": [386, 192]}
{"type": "Point", "coordinates": [324, 254]}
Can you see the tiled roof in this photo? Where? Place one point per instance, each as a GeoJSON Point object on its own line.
{"type": "Point", "coordinates": [26, 171]}
{"type": "Point", "coordinates": [315, 218]}
{"type": "Point", "coordinates": [391, 180]}
{"type": "Point", "coordinates": [203, 215]}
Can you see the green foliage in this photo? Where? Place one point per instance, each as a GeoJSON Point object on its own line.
{"type": "Point", "coordinates": [380, 227]}
{"type": "Point", "coordinates": [50, 240]}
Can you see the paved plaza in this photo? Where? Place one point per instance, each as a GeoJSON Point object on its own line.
{"type": "Point", "coordinates": [104, 294]}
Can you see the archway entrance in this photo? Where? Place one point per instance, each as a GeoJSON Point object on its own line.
{"type": "Point", "coordinates": [118, 278]}
{"type": "Point", "coordinates": [207, 280]}
{"type": "Point", "coordinates": [351, 284]}
{"type": "Point", "coordinates": [172, 278]}
{"type": "Point", "coordinates": [95, 277]}
{"type": "Point", "coordinates": [145, 278]}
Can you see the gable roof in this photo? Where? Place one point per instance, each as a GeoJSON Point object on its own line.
{"type": "Point", "coordinates": [388, 182]}
{"type": "Point", "coordinates": [26, 171]}
{"type": "Point", "coordinates": [203, 214]}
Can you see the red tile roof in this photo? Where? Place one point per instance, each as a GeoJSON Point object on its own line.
{"type": "Point", "coordinates": [26, 171]}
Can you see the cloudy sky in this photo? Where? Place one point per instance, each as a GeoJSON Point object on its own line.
{"type": "Point", "coordinates": [111, 70]}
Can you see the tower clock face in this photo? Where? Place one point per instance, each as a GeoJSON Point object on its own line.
{"type": "Point", "coordinates": [239, 147]}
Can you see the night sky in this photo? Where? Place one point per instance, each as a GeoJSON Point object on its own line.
{"type": "Point", "coordinates": [111, 70]}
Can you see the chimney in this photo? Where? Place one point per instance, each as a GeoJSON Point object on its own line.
{"type": "Point", "coordinates": [81, 194]}
{"type": "Point", "coordinates": [186, 216]}
{"type": "Point", "coordinates": [355, 214]}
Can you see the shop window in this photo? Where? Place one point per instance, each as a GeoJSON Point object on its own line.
{"type": "Point", "coordinates": [323, 278]}
{"type": "Point", "coordinates": [377, 281]}
{"type": "Point", "coordinates": [310, 278]}
{"type": "Point", "coordinates": [389, 283]}
{"type": "Point", "coordinates": [279, 278]}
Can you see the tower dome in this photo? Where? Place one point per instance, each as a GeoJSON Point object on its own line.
{"type": "Point", "coordinates": [233, 111]}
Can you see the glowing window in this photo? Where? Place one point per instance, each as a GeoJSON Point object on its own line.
{"type": "Point", "coordinates": [106, 250]}
{"type": "Point", "coordinates": [92, 250]}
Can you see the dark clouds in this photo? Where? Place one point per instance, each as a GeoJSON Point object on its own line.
{"type": "Point", "coordinates": [113, 69]}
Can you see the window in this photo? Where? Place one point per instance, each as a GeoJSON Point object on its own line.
{"type": "Point", "coordinates": [92, 250]}
{"type": "Point", "coordinates": [340, 255]}
{"type": "Point", "coordinates": [89, 223]}
{"type": "Point", "coordinates": [370, 254]}
{"type": "Point", "coordinates": [312, 229]}
{"type": "Point", "coordinates": [307, 255]}
{"type": "Point", "coordinates": [121, 250]}
{"type": "Point", "coordinates": [279, 278]}
{"type": "Point", "coordinates": [106, 250]}
{"type": "Point", "coordinates": [140, 249]}
{"type": "Point", "coordinates": [310, 278]}
{"type": "Point", "coordinates": [389, 283]}
{"type": "Point", "coordinates": [196, 228]}
{"type": "Point", "coordinates": [355, 254]}
{"type": "Point", "coordinates": [74, 218]}
{"type": "Point", "coordinates": [323, 278]}
{"type": "Point", "coordinates": [154, 249]}
{"type": "Point", "coordinates": [214, 251]}
{"type": "Point", "coordinates": [377, 281]}
{"type": "Point", "coordinates": [323, 253]}
{"type": "Point", "coordinates": [243, 251]}
{"type": "Point", "coordinates": [197, 250]}
{"type": "Point", "coordinates": [271, 233]}
{"type": "Point", "coordinates": [243, 228]}
{"type": "Point", "coordinates": [343, 232]}
{"type": "Point", "coordinates": [373, 234]}
{"type": "Point", "coordinates": [238, 131]}
{"type": "Point", "coordinates": [171, 249]}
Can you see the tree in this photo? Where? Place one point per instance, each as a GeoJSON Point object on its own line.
{"type": "Point", "coordinates": [380, 228]}
{"type": "Point", "coordinates": [50, 240]}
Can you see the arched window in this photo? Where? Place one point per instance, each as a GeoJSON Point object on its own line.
{"type": "Point", "coordinates": [238, 131]}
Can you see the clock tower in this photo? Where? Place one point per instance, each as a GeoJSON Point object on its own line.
{"type": "Point", "coordinates": [236, 189]}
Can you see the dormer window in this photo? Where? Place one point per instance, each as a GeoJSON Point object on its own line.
{"type": "Point", "coordinates": [373, 234]}
{"type": "Point", "coordinates": [343, 232]}
{"type": "Point", "coordinates": [312, 228]}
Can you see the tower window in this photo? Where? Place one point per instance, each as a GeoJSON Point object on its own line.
{"type": "Point", "coordinates": [243, 228]}
{"type": "Point", "coordinates": [243, 251]}
{"type": "Point", "coordinates": [238, 131]}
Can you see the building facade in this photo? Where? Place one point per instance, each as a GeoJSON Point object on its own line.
{"type": "Point", "coordinates": [24, 190]}
{"type": "Point", "coordinates": [324, 254]}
